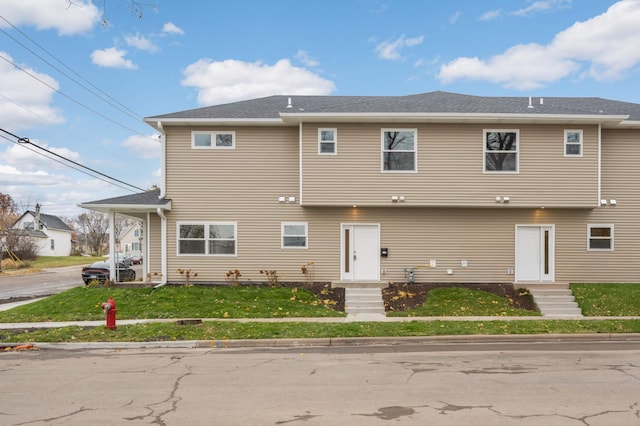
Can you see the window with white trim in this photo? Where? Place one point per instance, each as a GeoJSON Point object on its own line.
{"type": "Point", "coordinates": [573, 143]}
{"type": "Point", "coordinates": [600, 237]}
{"type": "Point", "coordinates": [501, 151]}
{"type": "Point", "coordinates": [327, 141]}
{"type": "Point", "coordinates": [294, 235]}
{"type": "Point", "coordinates": [213, 140]}
{"type": "Point", "coordinates": [399, 150]}
{"type": "Point", "coordinates": [207, 239]}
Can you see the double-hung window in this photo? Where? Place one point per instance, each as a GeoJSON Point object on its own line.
{"type": "Point", "coordinates": [600, 237]}
{"type": "Point", "coordinates": [213, 140]}
{"type": "Point", "coordinates": [294, 234]}
{"type": "Point", "coordinates": [207, 239]}
{"type": "Point", "coordinates": [501, 151]}
{"type": "Point", "coordinates": [399, 150]}
{"type": "Point", "coordinates": [573, 143]}
{"type": "Point", "coordinates": [327, 141]}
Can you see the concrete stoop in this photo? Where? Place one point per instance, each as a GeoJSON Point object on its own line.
{"type": "Point", "coordinates": [555, 300]}
{"type": "Point", "coordinates": [364, 302]}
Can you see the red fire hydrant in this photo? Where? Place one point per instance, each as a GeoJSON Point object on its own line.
{"type": "Point", "coordinates": [110, 310]}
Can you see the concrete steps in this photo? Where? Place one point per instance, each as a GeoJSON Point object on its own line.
{"type": "Point", "coordinates": [555, 300]}
{"type": "Point", "coordinates": [360, 300]}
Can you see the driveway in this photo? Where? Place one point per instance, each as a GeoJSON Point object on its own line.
{"type": "Point", "coordinates": [44, 283]}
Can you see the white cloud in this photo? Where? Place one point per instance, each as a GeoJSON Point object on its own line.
{"type": "Point", "coordinates": [140, 43]}
{"type": "Point", "coordinates": [606, 43]}
{"type": "Point", "coordinates": [171, 28]}
{"type": "Point", "coordinates": [30, 159]}
{"type": "Point", "coordinates": [454, 18]}
{"type": "Point", "coordinates": [490, 15]}
{"type": "Point", "coordinates": [306, 60]}
{"type": "Point", "coordinates": [541, 6]}
{"type": "Point", "coordinates": [24, 101]}
{"type": "Point", "coordinates": [67, 17]}
{"type": "Point", "coordinates": [391, 50]}
{"type": "Point", "coordinates": [112, 57]}
{"type": "Point", "coordinates": [145, 147]}
{"type": "Point", "coordinates": [232, 80]}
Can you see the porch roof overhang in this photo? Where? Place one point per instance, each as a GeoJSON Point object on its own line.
{"type": "Point", "coordinates": [135, 205]}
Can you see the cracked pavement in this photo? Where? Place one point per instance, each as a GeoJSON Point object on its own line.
{"type": "Point", "coordinates": [528, 384]}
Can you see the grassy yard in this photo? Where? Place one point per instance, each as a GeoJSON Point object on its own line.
{"type": "Point", "coordinates": [83, 303]}
{"type": "Point", "coordinates": [608, 299]}
{"type": "Point", "coordinates": [10, 267]}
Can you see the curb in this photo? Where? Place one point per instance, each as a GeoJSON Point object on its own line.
{"type": "Point", "coordinates": [433, 341]}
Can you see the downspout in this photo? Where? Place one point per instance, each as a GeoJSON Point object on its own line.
{"type": "Point", "coordinates": [300, 163]}
{"type": "Point", "coordinates": [599, 164]}
{"type": "Point", "coordinates": [163, 165]}
{"type": "Point", "coordinates": [163, 247]}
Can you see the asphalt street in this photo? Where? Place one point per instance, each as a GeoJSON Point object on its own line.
{"type": "Point", "coordinates": [520, 383]}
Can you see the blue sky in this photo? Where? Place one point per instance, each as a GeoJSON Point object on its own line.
{"type": "Point", "coordinates": [76, 77]}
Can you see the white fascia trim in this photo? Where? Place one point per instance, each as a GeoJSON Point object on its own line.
{"type": "Point", "coordinates": [458, 117]}
{"type": "Point", "coordinates": [126, 207]}
{"type": "Point", "coordinates": [214, 121]}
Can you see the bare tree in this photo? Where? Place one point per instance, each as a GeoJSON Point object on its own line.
{"type": "Point", "coordinates": [94, 226]}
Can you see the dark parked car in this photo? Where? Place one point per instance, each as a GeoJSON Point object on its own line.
{"type": "Point", "coordinates": [100, 271]}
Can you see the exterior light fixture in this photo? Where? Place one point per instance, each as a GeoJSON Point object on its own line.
{"type": "Point", "coordinates": [505, 199]}
{"type": "Point", "coordinates": [401, 198]}
{"type": "Point", "coordinates": [394, 198]}
{"type": "Point", "coordinates": [498, 199]}
{"type": "Point", "coordinates": [603, 202]}
{"type": "Point", "coordinates": [613, 202]}
{"type": "Point", "coordinates": [281, 199]}
{"type": "Point", "coordinates": [292, 199]}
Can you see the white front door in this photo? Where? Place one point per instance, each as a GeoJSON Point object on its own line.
{"type": "Point", "coordinates": [535, 253]}
{"type": "Point", "coordinates": [360, 252]}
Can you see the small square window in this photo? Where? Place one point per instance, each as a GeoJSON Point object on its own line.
{"type": "Point", "coordinates": [573, 143]}
{"type": "Point", "coordinates": [216, 140]}
{"type": "Point", "coordinates": [327, 141]}
{"type": "Point", "coordinates": [600, 237]}
{"type": "Point", "coordinates": [294, 235]}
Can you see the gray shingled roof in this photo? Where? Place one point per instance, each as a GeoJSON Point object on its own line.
{"type": "Point", "coordinates": [432, 102]}
{"type": "Point", "coordinates": [147, 198]}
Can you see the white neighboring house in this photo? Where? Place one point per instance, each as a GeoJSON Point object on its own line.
{"type": "Point", "coordinates": [131, 239]}
{"type": "Point", "coordinates": [51, 235]}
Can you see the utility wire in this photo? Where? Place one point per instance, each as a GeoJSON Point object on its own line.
{"type": "Point", "coordinates": [109, 100]}
{"type": "Point", "coordinates": [73, 100]}
{"type": "Point", "coordinates": [21, 140]}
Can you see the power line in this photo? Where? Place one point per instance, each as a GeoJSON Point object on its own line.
{"type": "Point", "coordinates": [21, 141]}
{"type": "Point", "coordinates": [109, 100]}
{"type": "Point", "coordinates": [73, 100]}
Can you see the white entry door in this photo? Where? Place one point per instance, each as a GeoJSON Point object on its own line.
{"type": "Point", "coordinates": [535, 253]}
{"type": "Point", "coordinates": [360, 252]}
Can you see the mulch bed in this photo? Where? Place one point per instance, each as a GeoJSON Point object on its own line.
{"type": "Point", "coordinates": [395, 300]}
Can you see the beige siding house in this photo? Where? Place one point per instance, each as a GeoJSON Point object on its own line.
{"type": "Point", "coordinates": [435, 187]}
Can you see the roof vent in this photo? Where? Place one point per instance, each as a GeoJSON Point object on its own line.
{"type": "Point", "coordinates": [289, 103]}
{"type": "Point", "coordinates": [530, 104]}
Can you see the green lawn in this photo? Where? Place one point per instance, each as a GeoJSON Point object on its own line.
{"type": "Point", "coordinates": [83, 303]}
{"type": "Point", "coordinates": [608, 299]}
{"type": "Point", "coordinates": [463, 302]}
{"type": "Point", "coordinates": [59, 261]}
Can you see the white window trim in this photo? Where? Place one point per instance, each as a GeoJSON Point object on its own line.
{"type": "Point", "coordinates": [213, 139]}
{"type": "Point", "coordinates": [414, 150]}
{"type": "Point", "coordinates": [334, 141]}
{"type": "Point", "coordinates": [566, 131]}
{"type": "Point", "coordinates": [484, 151]}
{"type": "Point", "coordinates": [207, 239]}
{"type": "Point", "coordinates": [600, 225]}
{"type": "Point", "coordinates": [306, 235]}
